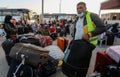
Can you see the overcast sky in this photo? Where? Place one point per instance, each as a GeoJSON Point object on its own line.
{"type": "Point", "coordinates": [52, 6]}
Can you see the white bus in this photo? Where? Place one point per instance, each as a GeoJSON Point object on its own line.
{"type": "Point", "coordinates": [16, 13]}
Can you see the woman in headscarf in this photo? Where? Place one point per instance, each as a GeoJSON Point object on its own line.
{"type": "Point", "coordinates": [9, 27]}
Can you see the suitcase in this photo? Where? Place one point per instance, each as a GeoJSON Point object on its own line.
{"type": "Point", "coordinates": [77, 58]}
{"type": "Point", "coordinates": [34, 55]}
{"type": "Point", "coordinates": [114, 53]}
{"type": "Point", "coordinates": [118, 35]}
{"type": "Point", "coordinates": [102, 59]}
{"type": "Point", "coordinates": [110, 39]}
{"type": "Point", "coordinates": [62, 43]}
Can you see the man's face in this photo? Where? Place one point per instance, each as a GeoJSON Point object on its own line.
{"type": "Point", "coordinates": [81, 8]}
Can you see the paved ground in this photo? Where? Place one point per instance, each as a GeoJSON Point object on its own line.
{"type": "Point", "coordinates": [4, 67]}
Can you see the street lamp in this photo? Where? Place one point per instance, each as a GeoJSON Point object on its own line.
{"type": "Point", "coordinates": [60, 6]}
{"type": "Point", "coordinates": [42, 7]}
{"type": "Point", "coordinates": [42, 16]}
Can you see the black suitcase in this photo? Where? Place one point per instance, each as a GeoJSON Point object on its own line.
{"type": "Point", "coordinates": [110, 39]}
{"type": "Point", "coordinates": [77, 58]}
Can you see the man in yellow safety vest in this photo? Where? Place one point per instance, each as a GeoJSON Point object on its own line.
{"type": "Point", "coordinates": [87, 27]}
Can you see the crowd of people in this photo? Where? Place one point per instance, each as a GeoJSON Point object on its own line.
{"type": "Point", "coordinates": [51, 28]}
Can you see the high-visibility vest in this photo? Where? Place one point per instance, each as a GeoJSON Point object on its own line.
{"type": "Point", "coordinates": [91, 27]}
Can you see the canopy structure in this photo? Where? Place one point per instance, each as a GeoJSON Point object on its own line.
{"type": "Point", "coordinates": [112, 7]}
{"type": "Point", "coordinates": [110, 4]}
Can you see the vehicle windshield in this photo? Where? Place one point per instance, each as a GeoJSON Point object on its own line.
{"type": "Point", "coordinates": [16, 13]}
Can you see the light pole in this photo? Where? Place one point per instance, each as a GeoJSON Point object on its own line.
{"type": "Point", "coordinates": [60, 6]}
{"type": "Point", "coordinates": [42, 16]}
{"type": "Point", "coordinates": [42, 7]}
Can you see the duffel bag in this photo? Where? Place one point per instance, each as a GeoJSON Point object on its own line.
{"type": "Point", "coordinates": [55, 52]}
{"type": "Point", "coordinates": [34, 55]}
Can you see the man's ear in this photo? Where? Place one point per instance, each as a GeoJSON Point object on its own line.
{"type": "Point", "coordinates": [85, 8]}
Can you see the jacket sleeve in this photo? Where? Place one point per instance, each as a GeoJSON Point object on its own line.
{"type": "Point", "coordinates": [100, 27]}
{"type": "Point", "coordinates": [8, 28]}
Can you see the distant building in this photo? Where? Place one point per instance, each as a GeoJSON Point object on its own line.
{"type": "Point", "coordinates": [111, 17]}
{"type": "Point", "coordinates": [59, 16]}
{"type": "Point", "coordinates": [110, 4]}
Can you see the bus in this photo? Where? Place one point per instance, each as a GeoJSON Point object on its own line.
{"type": "Point", "coordinates": [17, 14]}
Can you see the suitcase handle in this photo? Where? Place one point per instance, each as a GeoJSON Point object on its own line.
{"type": "Point", "coordinates": [22, 63]}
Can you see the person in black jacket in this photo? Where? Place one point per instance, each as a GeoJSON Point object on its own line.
{"type": "Point", "coordinates": [10, 29]}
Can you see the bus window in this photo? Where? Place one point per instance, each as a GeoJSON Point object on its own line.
{"type": "Point", "coordinates": [16, 13]}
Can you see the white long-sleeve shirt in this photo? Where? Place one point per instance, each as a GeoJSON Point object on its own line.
{"type": "Point", "coordinates": [79, 29]}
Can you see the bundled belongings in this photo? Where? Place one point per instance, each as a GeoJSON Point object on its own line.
{"type": "Point", "coordinates": [38, 40]}
{"type": "Point", "coordinates": [114, 53]}
{"type": "Point", "coordinates": [108, 63]}
{"type": "Point", "coordinates": [55, 52]}
{"type": "Point", "coordinates": [31, 41]}
{"type": "Point", "coordinates": [28, 39]}
{"type": "Point", "coordinates": [34, 55]}
{"type": "Point", "coordinates": [44, 40]}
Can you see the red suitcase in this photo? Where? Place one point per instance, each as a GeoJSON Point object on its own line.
{"type": "Point", "coordinates": [102, 59]}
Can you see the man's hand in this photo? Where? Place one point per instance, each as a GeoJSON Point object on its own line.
{"type": "Point", "coordinates": [86, 37]}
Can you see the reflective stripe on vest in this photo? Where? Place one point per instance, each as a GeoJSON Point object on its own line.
{"type": "Point", "coordinates": [94, 39]}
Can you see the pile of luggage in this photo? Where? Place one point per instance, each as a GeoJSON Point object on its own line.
{"type": "Point", "coordinates": [108, 62]}
{"type": "Point", "coordinates": [32, 56]}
